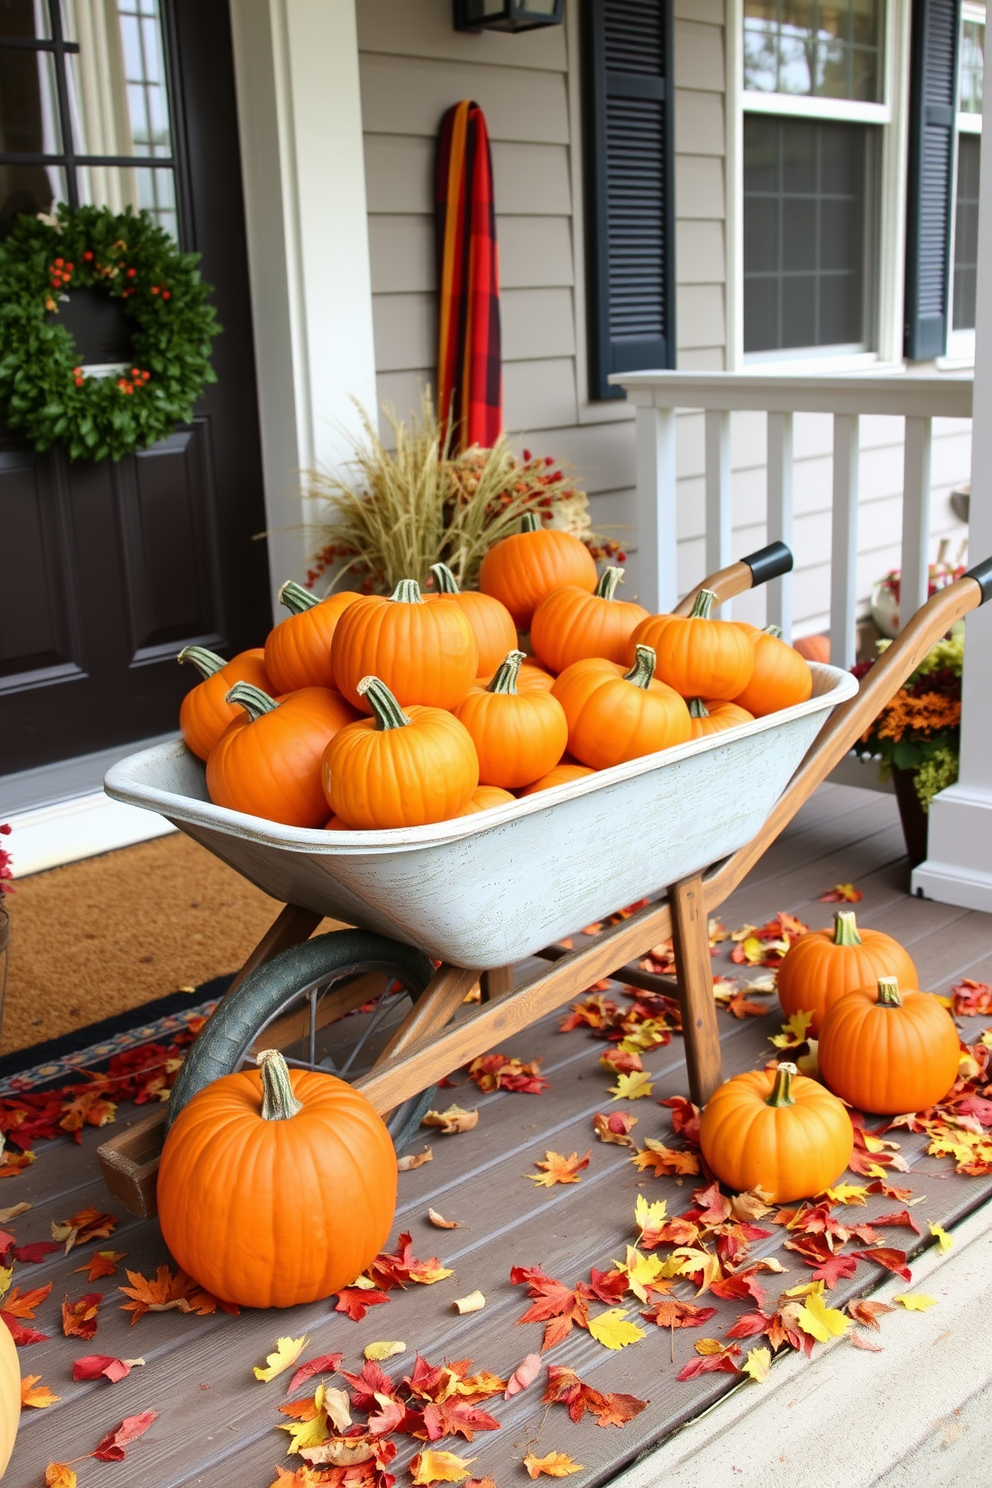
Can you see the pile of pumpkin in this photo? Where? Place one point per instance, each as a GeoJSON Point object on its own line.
{"type": "Point", "coordinates": [882, 1046]}
{"type": "Point", "coordinates": [416, 708]}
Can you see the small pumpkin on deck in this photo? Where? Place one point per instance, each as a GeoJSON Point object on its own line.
{"type": "Point", "coordinates": [298, 649]}
{"type": "Point", "coordinates": [615, 715]}
{"type": "Point", "coordinates": [10, 1395]}
{"type": "Point", "coordinates": [518, 736]}
{"type": "Point", "coordinates": [571, 624]}
{"type": "Point", "coordinates": [204, 712]}
{"type": "Point", "coordinates": [888, 1051]}
{"type": "Point", "coordinates": [824, 964]}
{"type": "Point", "coordinates": [495, 632]}
{"type": "Point", "coordinates": [697, 655]}
{"type": "Point", "coordinates": [425, 653]}
{"type": "Point", "coordinates": [520, 570]}
{"type": "Point", "coordinates": [778, 1131]}
{"type": "Point", "coordinates": [276, 1188]}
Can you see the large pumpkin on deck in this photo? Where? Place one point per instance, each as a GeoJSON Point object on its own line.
{"type": "Point", "coordinates": [276, 1188]}
{"type": "Point", "coordinates": [10, 1395]}
{"type": "Point", "coordinates": [888, 1051]}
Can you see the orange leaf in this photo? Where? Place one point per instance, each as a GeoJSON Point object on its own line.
{"type": "Point", "coordinates": [614, 1127]}
{"type": "Point", "coordinates": [565, 1388]}
{"type": "Point", "coordinates": [665, 1160]}
{"type": "Point", "coordinates": [22, 1304]}
{"type": "Point", "coordinates": [79, 1318]}
{"type": "Point", "coordinates": [843, 893]}
{"type": "Point", "coordinates": [558, 1169]}
{"type": "Point", "coordinates": [59, 1475]}
{"type": "Point", "coordinates": [34, 1394]}
{"type": "Point", "coordinates": [168, 1292]}
{"type": "Point", "coordinates": [554, 1465]}
{"type": "Point", "coordinates": [102, 1263]}
{"type": "Point", "coordinates": [88, 1224]}
{"type": "Point", "coordinates": [438, 1467]}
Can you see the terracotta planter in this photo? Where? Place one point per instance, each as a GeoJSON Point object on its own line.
{"type": "Point", "coordinates": [914, 818]}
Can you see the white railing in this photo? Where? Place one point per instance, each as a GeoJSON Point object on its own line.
{"type": "Point", "coordinates": [657, 396]}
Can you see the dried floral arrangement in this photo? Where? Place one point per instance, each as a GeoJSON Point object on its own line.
{"type": "Point", "coordinates": [421, 503]}
{"type": "Point", "coordinates": [920, 728]}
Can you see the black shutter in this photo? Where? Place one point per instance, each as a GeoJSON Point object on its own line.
{"type": "Point", "coordinates": [627, 50]}
{"type": "Point", "coordinates": [929, 204]}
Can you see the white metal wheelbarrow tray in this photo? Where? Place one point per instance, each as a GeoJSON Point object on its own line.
{"type": "Point", "coordinates": [486, 890]}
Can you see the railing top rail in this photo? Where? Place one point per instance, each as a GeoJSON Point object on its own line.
{"type": "Point", "coordinates": [946, 395]}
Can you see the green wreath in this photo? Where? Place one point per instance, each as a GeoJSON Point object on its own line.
{"type": "Point", "coordinates": [44, 392]}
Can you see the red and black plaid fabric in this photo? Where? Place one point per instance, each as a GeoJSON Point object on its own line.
{"type": "Point", "coordinates": [469, 366]}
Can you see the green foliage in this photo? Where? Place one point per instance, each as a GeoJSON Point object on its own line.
{"type": "Point", "coordinates": [42, 393]}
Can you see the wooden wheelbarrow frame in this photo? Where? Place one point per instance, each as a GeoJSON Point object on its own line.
{"type": "Point", "coordinates": [424, 1048]}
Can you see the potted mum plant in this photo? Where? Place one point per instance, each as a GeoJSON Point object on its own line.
{"type": "Point", "coordinates": [916, 737]}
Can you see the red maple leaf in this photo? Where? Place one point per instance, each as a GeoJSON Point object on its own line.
{"type": "Point", "coordinates": [111, 1447]}
{"type": "Point", "coordinates": [892, 1260]}
{"type": "Point", "coordinates": [685, 1118]}
{"type": "Point", "coordinates": [565, 1388]}
{"type": "Point", "coordinates": [326, 1364]}
{"type": "Point", "coordinates": [835, 1268]}
{"type": "Point", "coordinates": [741, 1284]}
{"type": "Point", "coordinates": [720, 1361]}
{"type": "Point", "coordinates": [355, 1301]}
{"type": "Point", "coordinates": [971, 998]}
{"type": "Point", "coordinates": [669, 1312]}
{"type": "Point", "coordinates": [554, 1303]}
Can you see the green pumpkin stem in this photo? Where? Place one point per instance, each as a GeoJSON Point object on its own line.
{"type": "Point", "coordinates": [846, 928]}
{"type": "Point", "coordinates": [296, 599]}
{"type": "Point", "coordinates": [206, 662]}
{"type": "Point", "coordinates": [530, 522]}
{"type": "Point", "coordinates": [773, 630]}
{"type": "Point", "coordinates": [385, 709]}
{"type": "Point", "coordinates": [782, 1089]}
{"type": "Point", "coordinates": [278, 1101]}
{"type": "Point", "coordinates": [888, 993]}
{"type": "Point", "coordinates": [642, 672]}
{"type": "Point", "coordinates": [254, 701]}
{"type": "Point", "coordinates": [608, 581]}
{"type": "Point", "coordinates": [444, 579]}
{"type": "Point", "coordinates": [702, 605]}
{"type": "Point", "coordinates": [505, 678]}
{"type": "Point", "coordinates": [407, 591]}
{"type": "Point", "coordinates": [698, 709]}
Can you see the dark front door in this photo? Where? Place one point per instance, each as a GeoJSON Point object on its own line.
{"type": "Point", "coordinates": [107, 570]}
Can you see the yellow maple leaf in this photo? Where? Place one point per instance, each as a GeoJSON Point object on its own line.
{"type": "Point", "coordinates": [558, 1169]}
{"type": "Point", "coordinates": [554, 1465]}
{"type": "Point", "coordinates": [943, 1239]}
{"type": "Point", "coordinates": [757, 1364]}
{"type": "Point", "coordinates": [6, 1277]}
{"type": "Point", "coordinates": [806, 1289]}
{"type": "Point", "coordinates": [379, 1351]}
{"type": "Point", "coordinates": [915, 1301]}
{"type": "Point", "coordinates": [649, 1216]}
{"type": "Point", "coordinates": [60, 1475]}
{"type": "Point", "coordinates": [283, 1356]}
{"type": "Point", "coordinates": [612, 1329]}
{"type": "Point", "coordinates": [641, 1271]}
{"type": "Point", "coordinates": [632, 1087]}
{"type": "Point", "coordinates": [794, 1031]}
{"type": "Point", "coordinates": [685, 1260]}
{"type": "Point", "coordinates": [438, 1467]}
{"type": "Point", "coordinates": [820, 1321]}
{"type": "Point", "coordinates": [34, 1394]}
{"type": "Point", "coordinates": [709, 1346]}
{"type": "Point", "coordinates": [846, 1193]}
{"type": "Point", "coordinates": [329, 1407]}
{"type": "Point", "coordinates": [646, 1035]}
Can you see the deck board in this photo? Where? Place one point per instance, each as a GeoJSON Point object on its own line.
{"type": "Point", "coordinates": [217, 1424]}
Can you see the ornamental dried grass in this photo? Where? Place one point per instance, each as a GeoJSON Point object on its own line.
{"type": "Point", "coordinates": [408, 508]}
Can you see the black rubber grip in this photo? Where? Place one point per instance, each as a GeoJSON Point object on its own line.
{"type": "Point", "coordinates": [982, 575]}
{"type": "Point", "coordinates": [769, 563]}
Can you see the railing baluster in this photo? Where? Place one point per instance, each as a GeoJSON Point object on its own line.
{"type": "Point", "coordinates": [914, 583]}
{"type": "Point", "coordinates": [844, 541]}
{"type": "Point", "coordinates": [780, 512]}
{"type": "Point", "coordinates": [719, 509]}
{"type": "Point", "coordinates": [657, 532]}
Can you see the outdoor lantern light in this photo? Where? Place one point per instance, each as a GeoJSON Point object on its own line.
{"type": "Point", "coordinates": [507, 15]}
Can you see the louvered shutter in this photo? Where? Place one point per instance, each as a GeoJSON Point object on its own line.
{"type": "Point", "coordinates": [627, 49]}
{"type": "Point", "coordinates": [929, 202]}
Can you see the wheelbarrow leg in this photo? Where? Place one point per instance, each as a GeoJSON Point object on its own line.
{"type": "Point", "coordinates": [290, 927]}
{"type": "Point", "coordinates": [691, 942]}
{"type": "Point", "coordinates": [496, 983]}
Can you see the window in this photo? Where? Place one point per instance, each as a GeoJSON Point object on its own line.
{"type": "Point", "coordinates": [969, 140]}
{"type": "Point", "coordinates": [813, 75]}
{"type": "Point", "coordinates": [84, 112]}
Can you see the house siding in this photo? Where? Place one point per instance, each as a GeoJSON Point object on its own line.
{"type": "Point", "coordinates": [413, 67]}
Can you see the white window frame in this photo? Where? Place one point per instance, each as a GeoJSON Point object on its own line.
{"type": "Point", "coordinates": [891, 117]}
{"type": "Point", "coordinates": [961, 344]}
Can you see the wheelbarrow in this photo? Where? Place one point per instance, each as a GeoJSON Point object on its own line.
{"type": "Point", "coordinates": [435, 911]}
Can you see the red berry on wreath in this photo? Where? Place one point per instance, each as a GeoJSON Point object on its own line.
{"type": "Point", "coordinates": [166, 295]}
{"type": "Point", "coordinates": [131, 273]}
{"type": "Point", "coordinates": [88, 255]}
{"type": "Point", "coordinates": [154, 289]}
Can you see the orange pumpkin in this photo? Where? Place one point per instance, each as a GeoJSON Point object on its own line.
{"type": "Point", "coordinates": [560, 775]}
{"type": "Point", "coordinates": [298, 649]}
{"type": "Point", "coordinates": [203, 713]}
{"type": "Point", "coordinates": [335, 824]}
{"type": "Point", "coordinates": [888, 1051]}
{"type": "Point", "coordinates": [523, 568]}
{"type": "Point", "coordinates": [492, 623]}
{"type": "Point", "coordinates": [713, 717]}
{"type": "Point", "coordinates": [697, 655]}
{"type": "Point", "coordinates": [399, 769]}
{"type": "Point", "coordinates": [485, 797]}
{"type": "Point", "coordinates": [781, 677]}
{"type": "Point", "coordinates": [10, 1395]}
{"type": "Point", "coordinates": [251, 1182]}
{"type": "Point", "coordinates": [268, 762]}
{"type": "Point", "coordinates": [777, 1131]}
{"type": "Point", "coordinates": [571, 625]}
{"type": "Point", "coordinates": [424, 653]}
{"type": "Point", "coordinates": [824, 964]}
{"type": "Point", "coordinates": [518, 736]}
{"type": "Point", "coordinates": [531, 678]}
{"type": "Point", "coordinates": [615, 716]}
{"type": "Point", "coordinates": [813, 648]}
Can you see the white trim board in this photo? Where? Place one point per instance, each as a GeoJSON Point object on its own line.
{"type": "Point", "coordinates": [82, 827]}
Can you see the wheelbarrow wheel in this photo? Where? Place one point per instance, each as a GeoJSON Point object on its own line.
{"type": "Point", "coordinates": [331, 1004]}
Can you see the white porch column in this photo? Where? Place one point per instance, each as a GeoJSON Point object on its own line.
{"type": "Point", "coordinates": [303, 169]}
{"type": "Point", "coordinates": [958, 869]}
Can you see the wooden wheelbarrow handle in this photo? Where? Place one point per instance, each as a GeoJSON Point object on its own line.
{"type": "Point", "coordinates": [757, 568]}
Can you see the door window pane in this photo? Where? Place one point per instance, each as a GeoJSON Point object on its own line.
{"type": "Point", "coordinates": [971, 67]}
{"type": "Point", "coordinates": [24, 19]}
{"type": "Point", "coordinates": [966, 232]}
{"type": "Point", "coordinates": [117, 83]}
{"type": "Point", "coordinates": [29, 119]}
{"type": "Point", "coordinates": [804, 232]}
{"type": "Point", "coordinates": [819, 48]}
{"type": "Point", "coordinates": [29, 188]}
{"type": "Point", "coordinates": [137, 186]}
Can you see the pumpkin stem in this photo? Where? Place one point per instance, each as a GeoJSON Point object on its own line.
{"type": "Point", "coordinates": [530, 522]}
{"type": "Point", "coordinates": [608, 581]}
{"type": "Point", "coordinates": [702, 605]}
{"type": "Point", "coordinates": [888, 992]}
{"type": "Point", "coordinates": [385, 709]}
{"type": "Point", "coordinates": [278, 1101]}
{"type": "Point", "coordinates": [698, 709]}
{"type": "Point", "coordinates": [296, 598]}
{"type": "Point", "coordinates": [773, 630]}
{"type": "Point", "coordinates": [642, 672]}
{"type": "Point", "coordinates": [206, 662]}
{"type": "Point", "coordinates": [782, 1090]}
{"type": "Point", "coordinates": [254, 701]}
{"type": "Point", "coordinates": [505, 679]}
{"type": "Point", "coordinates": [846, 928]}
{"type": "Point", "coordinates": [407, 591]}
{"type": "Point", "coordinates": [444, 579]}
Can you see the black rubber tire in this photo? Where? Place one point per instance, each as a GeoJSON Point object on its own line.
{"type": "Point", "coordinates": [232, 1028]}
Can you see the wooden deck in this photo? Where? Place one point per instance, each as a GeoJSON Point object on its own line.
{"type": "Point", "coordinates": [217, 1425]}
